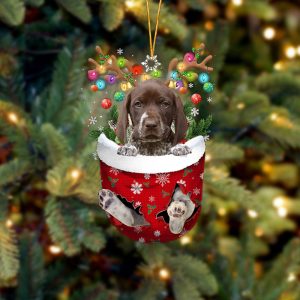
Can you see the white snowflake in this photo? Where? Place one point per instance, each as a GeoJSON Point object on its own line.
{"type": "Point", "coordinates": [114, 171]}
{"type": "Point", "coordinates": [147, 176]}
{"type": "Point", "coordinates": [191, 85]}
{"type": "Point", "coordinates": [100, 128]}
{"type": "Point", "coordinates": [141, 240]}
{"type": "Point", "coordinates": [136, 188]}
{"type": "Point", "coordinates": [209, 99]}
{"type": "Point", "coordinates": [202, 176]}
{"type": "Point", "coordinates": [162, 178]}
{"type": "Point", "coordinates": [120, 51]}
{"type": "Point", "coordinates": [138, 203]}
{"type": "Point", "coordinates": [95, 156]}
{"type": "Point", "coordinates": [206, 138]}
{"type": "Point", "coordinates": [194, 111]}
{"type": "Point", "coordinates": [112, 125]}
{"type": "Point", "coordinates": [196, 191]}
{"type": "Point", "coordinates": [156, 233]}
{"type": "Point", "coordinates": [138, 229]}
{"type": "Point", "coordinates": [93, 120]}
{"type": "Point", "coordinates": [181, 182]}
{"type": "Point", "coordinates": [151, 63]}
{"type": "Point", "coordinates": [151, 198]}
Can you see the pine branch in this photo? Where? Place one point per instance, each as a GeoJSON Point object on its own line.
{"type": "Point", "coordinates": [94, 292]}
{"type": "Point", "coordinates": [112, 14]}
{"type": "Point", "coordinates": [148, 290]}
{"type": "Point", "coordinates": [77, 8]}
{"type": "Point", "coordinates": [12, 12]}
{"type": "Point", "coordinates": [31, 275]}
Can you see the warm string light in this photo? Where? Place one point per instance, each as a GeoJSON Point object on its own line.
{"type": "Point", "coordinates": [252, 213]}
{"type": "Point", "coordinates": [291, 277]}
{"type": "Point", "coordinates": [130, 4]}
{"type": "Point", "coordinates": [278, 201]}
{"type": "Point", "coordinates": [298, 50]}
{"type": "Point", "coordinates": [282, 212]}
{"type": "Point", "coordinates": [164, 274]}
{"type": "Point", "coordinates": [240, 105]}
{"type": "Point", "coordinates": [54, 249]}
{"type": "Point", "coordinates": [75, 173]}
{"type": "Point", "coordinates": [237, 2]}
{"type": "Point", "coordinates": [259, 232]}
{"type": "Point", "coordinates": [278, 66]}
{"type": "Point", "coordinates": [222, 211]}
{"type": "Point", "coordinates": [290, 52]}
{"type": "Point", "coordinates": [207, 157]}
{"type": "Point", "coordinates": [13, 117]}
{"type": "Point", "coordinates": [9, 223]}
{"type": "Point", "coordinates": [269, 33]}
{"type": "Point", "coordinates": [185, 240]}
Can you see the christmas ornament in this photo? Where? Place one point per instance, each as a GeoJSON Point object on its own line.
{"type": "Point", "coordinates": [147, 186]}
{"type": "Point", "coordinates": [106, 103]}
{"type": "Point", "coordinates": [101, 84]}
{"type": "Point", "coordinates": [137, 70]}
{"type": "Point", "coordinates": [103, 58]}
{"type": "Point", "coordinates": [121, 62]}
{"type": "Point", "coordinates": [119, 96]}
{"type": "Point", "coordinates": [181, 67]}
{"type": "Point", "coordinates": [156, 73]}
{"type": "Point", "coordinates": [120, 51]}
{"type": "Point", "coordinates": [110, 79]}
{"type": "Point", "coordinates": [92, 75]}
{"type": "Point", "coordinates": [151, 63]}
{"type": "Point", "coordinates": [190, 76]}
{"type": "Point", "coordinates": [189, 57]}
{"type": "Point", "coordinates": [172, 84]}
{"type": "Point", "coordinates": [196, 98]}
{"type": "Point", "coordinates": [208, 87]}
{"type": "Point", "coordinates": [174, 75]}
{"type": "Point", "coordinates": [101, 69]}
{"type": "Point", "coordinates": [203, 78]}
{"type": "Point", "coordinates": [179, 84]}
{"type": "Point", "coordinates": [94, 88]}
{"type": "Point", "coordinates": [183, 90]}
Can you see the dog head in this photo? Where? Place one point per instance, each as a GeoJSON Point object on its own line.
{"type": "Point", "coordinates": [152, 107]}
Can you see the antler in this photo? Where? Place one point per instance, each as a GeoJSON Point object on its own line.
{"type": "Point", "coordinates": [190, 65]}
{"type": "Point", "coordinates": [111, 64]}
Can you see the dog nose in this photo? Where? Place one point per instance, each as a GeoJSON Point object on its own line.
{"type": "Point", "coordinates": [150, 124]}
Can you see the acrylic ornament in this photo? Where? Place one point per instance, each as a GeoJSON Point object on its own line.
{"type": "Point", "coordinates": [196, 98]}
{"type": "Point", "coordinates": [147, 183]}
{"type": "Point", "coordinates": [119, 96]}
{"type": "Point", "coordinates": [92, 75]}
{"type": "Point", "coordinates": [208, 87]}
{"type": "Point", "coordinates": [203, 77]}
{"type": "Point", "coordinates": [100, 83]}
{"type": "Point", "coordinates": [106, 103]}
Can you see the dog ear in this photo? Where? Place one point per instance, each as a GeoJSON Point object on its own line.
{"type": "Point", "coordinates": [181, 124]}
{"type": "Point", "coordinates": [122, 123]}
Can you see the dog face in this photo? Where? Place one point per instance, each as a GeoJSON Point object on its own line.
{"type": "Point", "coordinates": [152, 107]}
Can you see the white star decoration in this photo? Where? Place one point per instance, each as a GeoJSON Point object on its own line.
{"type": "Point", "coordinates": [120, 51]}
{"type": "Point", "coordinates": [209, 99]}
{"type": "Point", "coordinates": [194, 111]}
{"type": "Point", "coordinates": [151, 63]}
{"type": "Point", "coordinates": [191, 85]}
{"type": "Point", "coordinates": [93, 120]}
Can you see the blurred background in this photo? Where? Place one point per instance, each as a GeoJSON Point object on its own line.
{"type": "Point", "coordinates": [57, 243]}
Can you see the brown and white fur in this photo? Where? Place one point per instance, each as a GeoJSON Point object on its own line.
{"type": "Point", "coordinates": [152, 108]}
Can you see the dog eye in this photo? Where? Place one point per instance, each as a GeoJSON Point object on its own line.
{"type": "Point", "coordinates": [165, 104]}
{"type": "Point", "coordinates": [138, 104]}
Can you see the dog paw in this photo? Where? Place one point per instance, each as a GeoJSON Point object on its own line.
{"type": "Point", "coordinates": [180, 149]}
{"type": "Point", "coordinates": [111, 204]}
{"type": "Point", "coordinates": [127, 150]}
{"type": "Point", "coordinates": [177, 212]}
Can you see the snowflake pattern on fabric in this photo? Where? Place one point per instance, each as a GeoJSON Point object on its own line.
{"type": "Point", "coordinates": [141, 240]}
{"type": "Point", "coordinates": [182, 182]}
{"type": "Point", "coordinates": [202, 176]}
{"type": "Point", "coordinates": [206, 138]}
{"type": "Point", "coordinates": [138, 229]}
{"type": "Point", "coordinates": [147, 176]}
{"type": "Point", "coordinates": [138, 203]}
{"type": "Point", "coordinates": [162, 178]}
{"type": "Point", "coordinates": [156, 233]}
{"type": "Point", "coordinates": [151, 199]}
{"type": "Point", "coordinates": [196, 191]}
{"type": "Point", "coordinates": [114, 171]}
{"type": "Point", "coordinates": [136, 187]}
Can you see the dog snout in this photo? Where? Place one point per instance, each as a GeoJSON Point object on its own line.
{"type": "Point", "coordinates": [150, 123]}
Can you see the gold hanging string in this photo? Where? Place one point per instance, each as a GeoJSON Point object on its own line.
{"type": "Point", "coordinates": [153, 43]}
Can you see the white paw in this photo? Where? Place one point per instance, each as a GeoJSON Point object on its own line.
{"type": "Point", "coordinates": [127, 150]}
{"type": "Point", "coordinates": [180, 149]}
{"type": "Point", "coordinates": [177, 212]}
{"type": "Point", "coordinates": [111, 204]}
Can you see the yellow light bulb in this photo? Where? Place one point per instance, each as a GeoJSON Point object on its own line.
{"type": "Point", "coordinates": [282, 212]}
{"type": "Point", "coordinates": [241, 105]}
{"type": "Point", "coordinates": [75, 173]}
{"type": "Point", "coordinates": [237, 2]}
{"type": "Point", "coordinates": [181, 66]}
{"type": "Point", "coordinates": [298, 50]}
{"type": "Point", "coordinates": [130, 3]}
{"type": "Point", "coordinates": [222, 211]}
{"type": "Point", "coordinates": [252, 213]}
{"type": "Point", "coordinates": [101, 69]}
{"type": "Point", "coordinates": [278, 66]}
{"type": "Point", "coordinates": [291, 277]}
{"type": "Point", "coordinates": [9, 223]}
{"type": "Point", "coordinates": [164, 274]}
{"type": "Point", "coordinates": [207, 157]}
{"type": "Point", "coordinates": [290, 52]}
{"type": "Point", "coordinates": [54, 249]}
{"type": "Point", "coordinates": [278, 201]}
{"type": "Point", "coordinates": [185, 240]}
{"type": "Point", "coordinates": [13, 117]}
{"type": "Point", "coordinates": [269, 33]}
{"type": "Point", "coordinates": [273, 116]}
{"type": "Point", "coordinates": [259, 232]}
